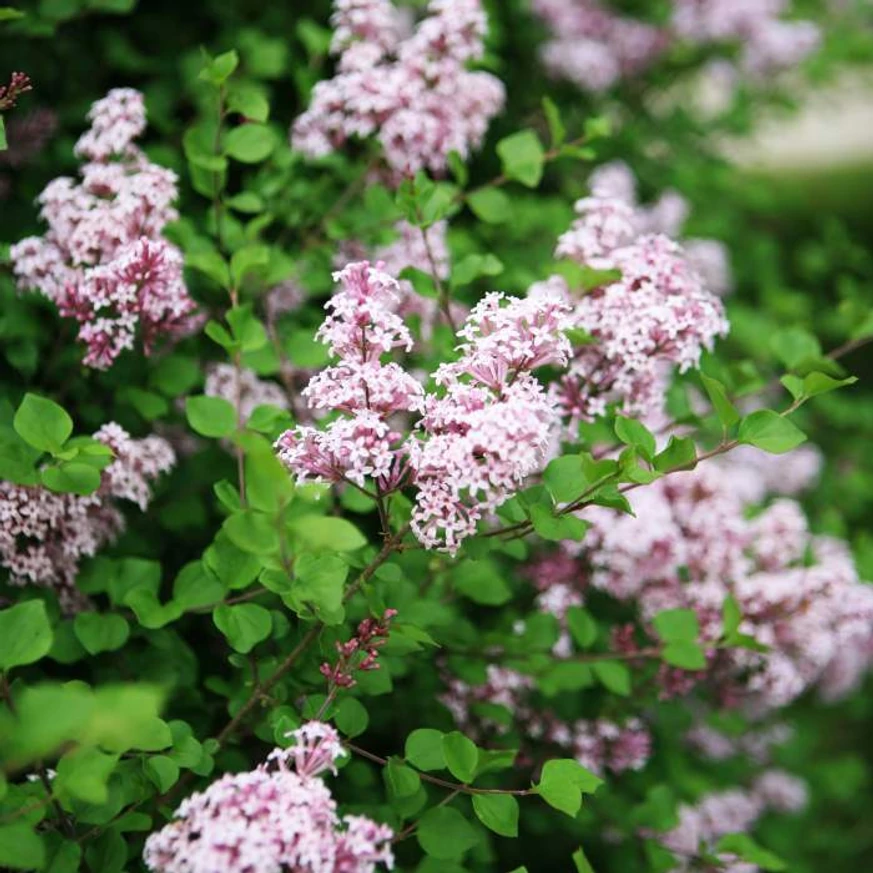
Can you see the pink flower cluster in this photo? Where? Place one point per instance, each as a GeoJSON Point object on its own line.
{"type": "Point", "coordinates": [657, 315]}
{"type": "Point", "coordinates": [361, 652]}
{"type": "Point", "coordinates": [693, 542]}
{"type": "Point", "coordinates": [733, 811]}
{"type": "Point", "coordinates": [242, 388]}
{"type": "Point", "coordinates": [44, 535]}
{"type": "Point", "coordinates": [103, 260]}
{"type": "Point", "coordinates": [598, 744]}
{"type": "Point", "coordinates": [480, 436]}
{"type": "Point", "coordinates": [360, 328]}
{"type": "Point", "coordinates": [279, 817]}
{"type": "Point", "coordinates": [667, 215]}
{"type": "Point", "coordinates": [490, 425]}
{"type": "Point", "coordinates": [768, 43]}
{"type": "Point", "coordinates": [19, 83]}
{"type": "Point", "coordinates": [412, 90]}
{"type": "Point", "coordinates": [414, 247]}
{"type": "Point", "coordinates": [595, 48]}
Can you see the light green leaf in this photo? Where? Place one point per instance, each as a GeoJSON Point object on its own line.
{"type": "Point", "coordinates": [100, 633]}
{"type": "Point", "coordinates": [461, 756]}
{"type": "Point", "coordinates": [522, 157]}
{"type": "Point", "coordinates": [445, 834]}
{"type": "Point", "coordinates": [424, 749]}
{"type": "Point", "coordinates": [498, 812]}
{"type": "Point", "coordinates": [43, 424]}
{"type": "Point", "coordinates": [244, 625]}
{"type": "Point", "coordinates": [25, 634]}
{"type": "Point", "coordinates": [770, 431]}
{"type": "Point", "coordinates": [250, 143]}
{"type": "Point", "coordinates": [21, 848]}
{"type": "Point", "coordinates": [614, 676]}
{"type": "Point", "coordinates": [210, 416]}
{"type": "Point", "coordinates": [490, 205]}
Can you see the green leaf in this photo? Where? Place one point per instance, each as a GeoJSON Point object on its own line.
{"type": "Point", "coordinates": [685, 654]}
{"type": "Point", "coordinates": [724, 409]}
{"type": "Point", "coordinates": [563, 782]}
{"type": "Point", "coordinates": [8, 13]}
{"type": "Point", "coordinates": [770, 431]}
{"type": "Point", "coordinates": [481, 582]}
{"type": "Point", "coordinates": [250, 102]}
{"type": "Point", "coordinates": [218, 70]}
{"type": "Point", "coordinates": [327, 532]}
{"type": "Point", "coordinates": [635, 433]}
{"type": "Point", "coordinates": [732, 616]}
{"type": "Point", "coordinates": [565, 478]}
{"type": "Point", "coordinates": [163, 771]}
{"type": "Point", "coordinates": [4, 145]}
{"type": "Point", "coordinates": [677, 624]}
{"type": "Point", "coordinates": [522, 157]}
{"type": "Point", "coordinates": [250, 143]}
{"type": "Point", "coordinates": [473, 266]}
{"type": "Point", "coordinates": [680, 454]}
{"type": "Point", "coordinates": [25, 634]}
{"type": "Point", "coordinates": [351, 716]}
{"type": "Point", "coordinates": [403, 781]}
{"type": "Point", "coordinates": [461, 756]}
{"type": "Point", "coordinates": [424, 749]}
{"type": "Point", "coordinates": [583, 865]}
{"type": "Point", "coordinates": [557, 130]}
{"type": "Point", "coordinates": [445, 834]}
{"type": "Point", "coordinates": [43, 424]}
{"type": "Point", "coordinates": [248, 331]}
{"type": "Point", "coordinates": [490, 205]}
{"type": "Point", "coordinates": [244, 625]}
{"type": "Point", "coordinates": [100, 633]}
{"type": "Point", "coordinates": [71, 478]}
{"type": "Point", "coordinates": [320, 580]}
{"type": "Point", "coordinates": [498, 812]}
{"type": "Point", "coordinates": [21, 848]}
{"type": "Point", "coordinates": [83, 774]}
{"type": "Point", "coordinates": [793, 346]}
{"type": "Point", "coordinates": [583, 627]}
{"type": "Point", "coordinates": [747, 849]}
{"type": "Point", "coordinates": [245, 260]}
{"type": "Point", "coordinates": [816, 383]}
{"type": "Point", "coordinates": [211, 264]}
{"type": "Point", "coordinates": [557, 527]}
{"type": "Point", "coordinates": [614, 676]}
{"type": "Point", "coordinates": [210, 416]}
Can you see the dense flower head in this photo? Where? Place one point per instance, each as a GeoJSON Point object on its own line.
{"type": "Point", "coordinates": [595, 48]}
{"type": "Point", "coordinates": [657, 313]}
{"type": "Point", "coordinates": [730, 811]}
{"type": "Point", "coordinates": [44, 535]}
{"type": "Point", "coordinates": [413, 92]}
{"type": "Point", "coordinates": [768, 43]}
{"type": "Point", "coordinates": [693, 543]}
{"type": "Point", "coordinates": [490, 425]}
{"type": "Point", "coordinates": [103, 260]}
{"type": "Point", "coordinates": [361, 326]}
{"type": "Point", "coordinates": [278, 817]}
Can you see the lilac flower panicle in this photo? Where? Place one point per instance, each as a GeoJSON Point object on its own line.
{"type": "Point", "coordinates": [103, 260]}
{"type": "Point", "coordinates": [361, 326]}
{"type": "Point", "coordinates": [490, 426]}
{"type": "Point", "coordinates": [596, 48]}
{"type": "Point", "coordinates": [278, 817]}
{"type": "Point", "coordinates": [658, 314]}
{"type": "Point", "coordinates": [412, 90]}
{"type": "Point", "coordinates": [45, 535]}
